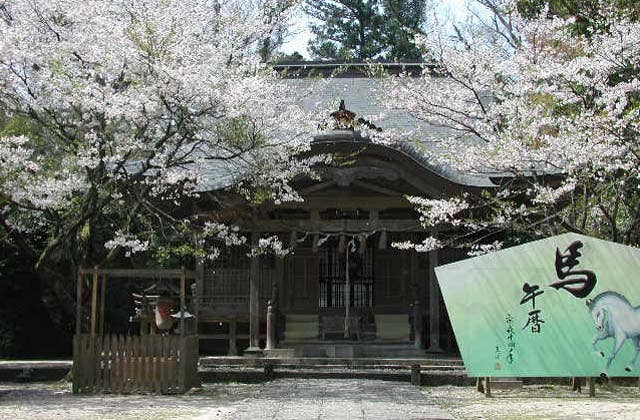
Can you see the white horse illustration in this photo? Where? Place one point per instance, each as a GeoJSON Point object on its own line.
{"type": "Point", "coordinates": [615, 317]}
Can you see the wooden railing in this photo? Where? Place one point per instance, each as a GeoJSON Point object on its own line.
{"type": "Point", "coordinates": [134, 364]}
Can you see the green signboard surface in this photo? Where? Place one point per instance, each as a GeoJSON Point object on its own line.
{"type": "Point", "coordinates": [562, 306]}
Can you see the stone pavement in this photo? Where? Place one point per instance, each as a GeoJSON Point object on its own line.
{"type": "Point", "coordinates": [333, 399]}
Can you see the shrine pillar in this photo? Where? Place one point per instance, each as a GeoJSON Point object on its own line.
{"type": "Point", "coordinates": [434, 304]}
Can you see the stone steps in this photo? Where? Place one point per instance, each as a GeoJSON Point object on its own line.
{"type": "Point", "coordinates": [322, 362]}
{"type": "Point", "coordinates": [354, 349]}
{"type": "Point", "coordinates": [252, 375]}
{"type": "Point", "coordinates": [434, 371]}
{"type": "Point", "coordinates": [301, 327]}
{"type": "Point", "coordinates": [392, 327]}
{"type": "Point", "coordinates": [280, 353]}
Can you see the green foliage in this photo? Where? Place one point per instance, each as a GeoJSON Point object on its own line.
{"type": "Point", "coordinates": [403, 18]}
{"type": "Point", "coordinates": [240, 134]}
{"type": "Point", "coordinates": [347, 28]}
{"type": "Point", "coordinates": [366, 29]}
{"type": "Point", "coordinates": [288, 58]}
{"type": "Point", "coordinates": [176, 256]}
{"type": "Point", "coordinates": [586, 12]}
{"type": "Point", "coordinates": [18, 126]}
{"type": "Point", "coordinates": [260, 195]}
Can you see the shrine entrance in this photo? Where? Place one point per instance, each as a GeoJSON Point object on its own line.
{"type": "Point", "coordinates": [333, 278]}
{"type": "Point", "coordinates": [342, 283]}
{"type": "Point", "coordinates": [346, 288]}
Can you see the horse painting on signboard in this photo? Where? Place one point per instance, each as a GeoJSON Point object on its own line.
{"type": "Point", "coordinates": [615, 317]}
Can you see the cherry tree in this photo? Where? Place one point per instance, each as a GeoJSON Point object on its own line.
{"type": "Point", "coordinates": [549, 114]}
{"type": "Point", "coordinates": [114, 110]}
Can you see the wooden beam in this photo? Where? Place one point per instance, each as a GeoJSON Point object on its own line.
{"type": "Point", "coordinates": [317, 187]}
{"type": "Point", "coordinates": [378, 189]}
{"type": "Point", "coordinates": [141, 273]}
{"type": "Point", "coordinates": [337, 226]}
{"type": "Point", "coordinates": [349, 201]}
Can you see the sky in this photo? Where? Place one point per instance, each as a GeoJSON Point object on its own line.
{"type": "Point", "coordinates": [300, 33]}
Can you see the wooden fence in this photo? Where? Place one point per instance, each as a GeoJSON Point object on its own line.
{"type": "Point", "coordinates": [135, 364]}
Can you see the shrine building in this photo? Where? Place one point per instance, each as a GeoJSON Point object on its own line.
{"type": "Point", "coordinates": [343, 288]}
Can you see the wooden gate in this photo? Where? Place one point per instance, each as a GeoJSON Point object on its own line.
{"type": "Point", "coordinates": [153, 363]}
{"type": "Point", "coordinates": [135, 364]}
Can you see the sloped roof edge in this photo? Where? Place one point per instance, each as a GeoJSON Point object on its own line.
{"type": "Point", "coordinates": [346, 69]}
{"type": "Point", "coordinates": [409, 152]}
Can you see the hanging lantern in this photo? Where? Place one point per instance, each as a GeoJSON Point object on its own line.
{"type": "Point", "coordinates": [164, 306]}
{"type": "Point", "coordinates": [363, 243]}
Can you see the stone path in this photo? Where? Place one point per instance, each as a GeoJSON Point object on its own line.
{"type": "Point", "coordinates": [296, 399]}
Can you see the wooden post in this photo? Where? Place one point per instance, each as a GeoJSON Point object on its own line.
{"type": "Point", "coordinates": [268, 371]}
{"type": "Point", "coordinates": [75, 367]}
{"type": "Point", "coordinates": [487, 387]}
{"type": "Point", "coordinates": [479, 386]}
{"type": "Point", "coordinates": [270, 328]}
{"type": "Point", "coordinates": [183, 301]}
{"type": "Point", "coordinates": [103, 292]}
{"type": "Point", "coordinates": [592, 386]}
{"type": "Point", "coordinates": [576, 384]}
{"type": "Point", "coordinates": [199, 285]}
{"type": "Point", "coordinates": [233, 338]}
{"type": "Point", "coordinates": [416, 376]}
{"type": "Point", "coordinates": [347, 294]}
{"type": "Point", "coordinates": [79, 303]}
{"type": "Point", "coordinates": [94, 301]}
{"type": "Point", "coordinates": [417, 325]}
{"type": "Point", "coordinates": [276, 286]}
{"type": "Point", "coordinates": [183, 366]}
{"type": "Point", "coordinates": [434, 305]}
{"type": "Point", "coordinates": [254, 298]}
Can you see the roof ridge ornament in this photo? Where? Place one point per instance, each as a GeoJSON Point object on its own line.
{"type": "Point", "coordinates": [346, 120]}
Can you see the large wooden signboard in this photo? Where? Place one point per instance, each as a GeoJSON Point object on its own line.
{"type": "Point", "coordinates": [568, 305]}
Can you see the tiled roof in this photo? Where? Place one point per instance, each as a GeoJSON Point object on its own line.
{"type": "Point", "coordinates": [362, 96]}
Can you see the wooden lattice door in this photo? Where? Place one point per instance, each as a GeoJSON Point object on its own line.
{"type": "Point", "coordinates": [333, 279]}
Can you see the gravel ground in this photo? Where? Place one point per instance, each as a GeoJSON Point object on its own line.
{"type": "Point", "coordinates": [280, 399]}
{"type": "Point", "coordinates": [330, 399]}
{"type": "Point", "coordinates": [48, 401]}
{"type": "Point", "coordinates": [538, 402]}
